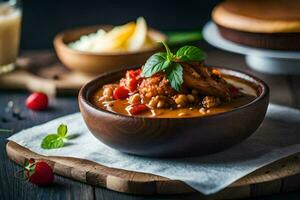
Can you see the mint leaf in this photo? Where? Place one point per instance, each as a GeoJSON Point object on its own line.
{"type": "Point", "coordinates": [174, 75]}
{"type": "Point", "coordinates": [62, 130]}
{"type": "Point", "coordinates": [56, 140]}
{"type": "Point", "coordinates": [156, 63]}
{"type": "Point", "coordinates": [190, 53]}
{"type": "Point", "coordinates": [52, 141]}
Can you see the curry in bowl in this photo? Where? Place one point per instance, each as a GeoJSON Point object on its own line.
{"type": "Point", "coordinates": [146, 101]}
{"type": "Point", "coordinates": [204, 91]}
{"type": "Point", "coordinates": [173, 106]}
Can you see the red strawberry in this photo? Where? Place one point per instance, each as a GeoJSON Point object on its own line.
{"type": "Point", "coordinates": [39, 173]}
{"type": "Point", "coordinates": [37, 101]}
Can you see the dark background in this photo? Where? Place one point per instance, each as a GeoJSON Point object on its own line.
{"type": "Point", "coordinates": [42, 19]}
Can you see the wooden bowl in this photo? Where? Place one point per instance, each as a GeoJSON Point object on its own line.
{"type": "Point", "coordinates": [97, 63]}
{"type": "Point", "coordinates": [173, 137]}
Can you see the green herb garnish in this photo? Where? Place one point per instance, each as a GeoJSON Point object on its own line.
{"type": "Point", "coordinates": [177, 38]}
{"type": "Point", "coordinates": [5, 130]}
{"type": "Point", "coordinates": [53, 141]}
{"type": "Point", "coordinates": [170, 64]}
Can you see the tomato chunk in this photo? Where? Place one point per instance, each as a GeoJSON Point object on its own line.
{"type": "Point", "coordinates": [130, 74]}
{"type": "Point", "coordinates": [132, 79]}
{"type": "Point", "coordinates": [134, 73]}
{"type": "Point", "coordinates": [120, 92]}
{"type": "Point", "coordinates": [137, 109]}
{"type": "Point", "coordinates": [132, 84]}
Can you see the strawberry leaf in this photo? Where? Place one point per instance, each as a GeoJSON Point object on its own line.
{"type": "Point", "coordinates": [26, 163]}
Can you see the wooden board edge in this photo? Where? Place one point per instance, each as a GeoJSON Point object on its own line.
{"type": "Point", "coordinates": [93, 176]}
{"type": "Point", "coordinates": [98, 175]}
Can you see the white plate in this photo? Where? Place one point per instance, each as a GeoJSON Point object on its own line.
{"type": "Point", "coordinates": [263, 60]}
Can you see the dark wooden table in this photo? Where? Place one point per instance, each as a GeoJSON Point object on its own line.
{"type": "Point", "coordinates": [285, 90]}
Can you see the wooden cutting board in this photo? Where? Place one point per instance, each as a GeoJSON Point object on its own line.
{"type": "Point", "coordinates": [41, 71]}
{"type": "Point", "coordinates": [280, 176]}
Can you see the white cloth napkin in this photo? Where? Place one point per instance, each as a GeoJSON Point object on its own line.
{"type": "Point", "coordinates": [277, 137]}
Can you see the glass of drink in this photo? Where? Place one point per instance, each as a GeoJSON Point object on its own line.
{"type": "Point", "coordinates": [10, 29]}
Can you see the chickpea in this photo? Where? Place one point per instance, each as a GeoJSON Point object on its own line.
{"type": "Point", "coordinates": [181, 100]}
{"type": "Point", "coordinates": [202, 110]}
{"type": "Point", "coordinates": [134, 99]}
{"type": "Point", "coordinates": [108, 92]}
{"type": "Point", "coordinates": [191, 98]}
{"type": "Point", "coordinates": [148, 95]}
{"type": "Point", "coordinates": [144, 90]}
{"type": "Point", "coordinates": [153, 102]}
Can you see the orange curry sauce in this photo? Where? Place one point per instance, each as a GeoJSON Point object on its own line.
{"type": "Point", "coordinates": [119, 106]}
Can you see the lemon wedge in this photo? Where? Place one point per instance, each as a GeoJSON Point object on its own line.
{"type": "Point", "coordinates": [139, 36]}
{"type": "Point", "coordinates": [132, 36]}
{"type": "Point", "coordinates": [116, 38]}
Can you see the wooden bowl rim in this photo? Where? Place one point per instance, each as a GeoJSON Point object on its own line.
{"type": "Point", "coordinates": [59, 42]}
{"type": "Point", "coordinates": [82, 96]}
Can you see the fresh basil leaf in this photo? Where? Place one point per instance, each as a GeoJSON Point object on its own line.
{"type": "Point", "coordinates": [62, 130]}
{"type": "Point", "coordinates": [157, 62]}
{"type": "Point", "coordinates": [174, 75]}
{"type": "Point", "coordinates": [190, 53]}
{"type": "Point", "coordinates": [52, 141]}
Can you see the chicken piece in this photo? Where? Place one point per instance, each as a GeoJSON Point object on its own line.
{"type": "Point", "coordinates": [198, 77]}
